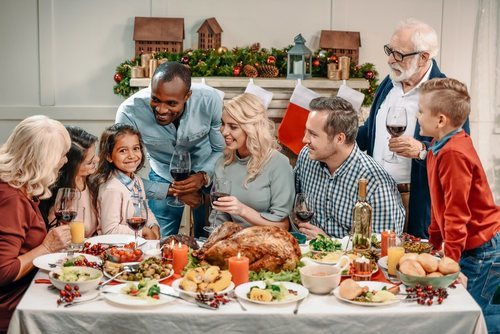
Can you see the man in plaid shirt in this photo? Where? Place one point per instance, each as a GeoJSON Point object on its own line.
{"type": "Point", "coordinates": [328, 169]}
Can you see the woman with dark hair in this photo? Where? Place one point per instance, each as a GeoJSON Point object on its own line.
{"type": "Point", "coordinates": [82, 162]}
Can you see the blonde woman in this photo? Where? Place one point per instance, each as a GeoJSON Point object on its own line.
{"type": "Point", "coordinates": [262, 185]}
{"type": "Point", "coordinates": [29, 164]}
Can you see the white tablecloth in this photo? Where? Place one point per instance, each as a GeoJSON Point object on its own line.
{"type": "Point", "coordinates": [38, 313]}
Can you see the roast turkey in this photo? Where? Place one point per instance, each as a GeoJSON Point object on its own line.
{"type": "Point", "coordinates": [267, 247]}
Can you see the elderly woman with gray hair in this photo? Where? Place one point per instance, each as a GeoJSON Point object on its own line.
{"type": "Point", "coordinates": [29, 164]}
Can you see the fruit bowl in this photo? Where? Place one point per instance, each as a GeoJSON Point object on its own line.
{"type": "Point", "coordinates": [123, 255]}
{"type": "Point", "coordinates": [85, 277]}
{"type": "Point", "coordinates": [436, 282]}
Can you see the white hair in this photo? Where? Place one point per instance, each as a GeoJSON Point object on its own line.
{"type": "Point", "coordinates": [423, 36]}
{"type": "Point", "coordinates": [30, 157]}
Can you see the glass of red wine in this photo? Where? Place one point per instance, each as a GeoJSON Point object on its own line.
{"type": "Point", "coordinates": [66, 205]}
{"type": "Point", "coordinates": [180, 168]}
{"type": "Point", "coordinates": [302, 208]}
{"type": "Point", "coordinates": [220, 187]}
{"type": "Point", "coordinates": [137, 215]}
{"type": "Point", "coordinates": [396, 125]}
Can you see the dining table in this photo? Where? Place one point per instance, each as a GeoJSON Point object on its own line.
{"type": "Point", "coordinates": [38, 312]}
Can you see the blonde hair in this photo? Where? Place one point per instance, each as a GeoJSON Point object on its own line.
{"type": "Point", "coordinates": [30, 157]}
{"type": "Point", "coordinates": [448, 97]}
{"type": "Point", "coordinates": [249, 112]}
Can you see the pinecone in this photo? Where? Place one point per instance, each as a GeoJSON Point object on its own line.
{"type": "Point", "coordinates": [269, 71]}
{"type": "Point", "coordinates": [255, 47]}
{"type": "Point", "coordinates": [250, 71]}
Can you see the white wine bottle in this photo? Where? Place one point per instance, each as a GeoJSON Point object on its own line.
{"type": "Point", "coordinates": [361, 220]}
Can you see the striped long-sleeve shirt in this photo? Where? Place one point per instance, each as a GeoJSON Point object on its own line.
{"type": "Point", "coordinates": [334, 196]}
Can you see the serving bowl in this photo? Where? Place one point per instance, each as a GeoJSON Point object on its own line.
{"type": "Point", "coordinates": [436, 282]}
{"type": "Point", "coordinates": [123, 255]}
{"type": "Point", "coordinates": [321, 279]}
{"type": "Point", "coordinates": [85, 277]}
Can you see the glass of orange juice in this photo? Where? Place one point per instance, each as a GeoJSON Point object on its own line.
{"type": "Point", "coordinates": [395, 251]}
{"type": "Point", "coordinates": [77, 230]}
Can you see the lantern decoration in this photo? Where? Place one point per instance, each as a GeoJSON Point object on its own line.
{"type": "Point", "coordinates": [299, 64]}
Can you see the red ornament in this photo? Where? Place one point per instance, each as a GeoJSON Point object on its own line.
{"type": "Point", "coordinates": [316, 62]}
{"type": "Point", "coordinates": [333, 59]}
{"type": "Point", "coordinates": [118, 77]}
{"type": "Point", "coordinates": [271, 60]}
{"type": "Point", "coordinates": [369, 75]}
{"type": "Point", "coordinates": [185, 60]}
{"type": "Point", "coordinates": [236, 71]}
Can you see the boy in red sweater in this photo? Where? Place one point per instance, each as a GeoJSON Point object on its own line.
{"type": "Point", "coordinates": [463, 213]}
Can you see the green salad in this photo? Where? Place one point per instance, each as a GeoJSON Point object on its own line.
{"type": "Point", "coordinates": [144, 289]}
{"type": "Point", "coordinates": [324, 244]}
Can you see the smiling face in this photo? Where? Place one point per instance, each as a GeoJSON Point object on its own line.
{"type": "Point", "coordinates": [234, 136]}
{"type": "Point", "coordinates": [126, 154]}
{"type": "Point", "coordinates": [168, 99]}
{"type": "Point", "coordinates": [428, 122]}
{"type": "Point", "coordinates": [89, 163]}
{"type": "Point", "coordinates": [408, 67]}
{"type": "Point", "coordinates": [321, 146]}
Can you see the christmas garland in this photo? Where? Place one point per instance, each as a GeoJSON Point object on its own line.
{"type": "Point", "coordinates": [250, 61]}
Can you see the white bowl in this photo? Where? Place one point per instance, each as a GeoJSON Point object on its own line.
{"type": "Point", "coordinates": [83, 285]}
{"type": "Point", "coordinates": [320, 279]}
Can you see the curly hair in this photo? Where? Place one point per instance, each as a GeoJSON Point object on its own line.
{"type": "Point", "coordinates": [249, 112]}
{"type": "Point", "coordinates": [30, 157]}
{"type": "Point", "coordinates": [106, 145]}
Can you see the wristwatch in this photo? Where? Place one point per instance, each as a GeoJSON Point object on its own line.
{"type": "Point", "coordinates": [206, 178]}
{"type": "Point", "coordinates": [423, 153]}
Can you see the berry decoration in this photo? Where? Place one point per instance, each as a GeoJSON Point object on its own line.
{"type": "Point", "coordinates": [118, 77]}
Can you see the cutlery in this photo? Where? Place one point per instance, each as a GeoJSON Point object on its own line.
{"type": "Point", "coordinates": [234, 297]}
{"type": "Point", "coordinates": [296, 310]}
{"type": "Point", "coordinates": [199, 304]}
{"type": "Point", "coordinates": [78, 302]}
{"type": "Point", "coordinates": [128, 269]}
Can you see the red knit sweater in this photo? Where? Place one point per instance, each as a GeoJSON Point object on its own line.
{"type": "Point", "coordinates": [463, 212]}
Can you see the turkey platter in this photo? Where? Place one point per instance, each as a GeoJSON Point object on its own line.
{"type": "Point", "coordinates": [267, 247]}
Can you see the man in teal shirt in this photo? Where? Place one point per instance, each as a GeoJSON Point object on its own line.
{"type": "Point", "coordinates": [172, 115]}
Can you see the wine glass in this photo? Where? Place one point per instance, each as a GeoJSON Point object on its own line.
{"type": "Point", "coordinates": [396, 125]}
{"type": "Point", "coordinates": [302, 208]}
{"type": "Point", "coordinates": [220, 187]}
{"type": "Point", "coordinates": [180, 167]}
{"type": "Point", "coordinates": [66, 205]}
{"type": "Point", "coordinates": [137, 214]}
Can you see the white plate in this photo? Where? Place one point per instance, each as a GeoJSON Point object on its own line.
{"type": "Point", "coordinates": [242, 290]}
{"type": "Point", "coordinates": [108, 275]}
{"type": "Point", "coordinates": [176, 287]}
{"type": "Point", "coordinates": [115, 239]}
{"type": "Point", "coordinates": [43, 261]}
{"type": "Point", "coordinates": [118, 297]}
{"type": "Point", "coordinates": [382, 262]}
{"type": "Point", "coordinates": [372, 285]}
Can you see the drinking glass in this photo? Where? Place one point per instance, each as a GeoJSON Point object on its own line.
{"type": "Point", "coordinates": [396, 125]}
{"type": "Point", "coordinates": [302, 208]}
{"type": "Point", "coordinates": [395, 251]}
{"type": "Point", "coordinates": [220, 187]}
{"type": "Point", "coordinates": [77, 229]}
{"type": "Point", "coordinates": [66, 205]}
{"type": "Point", "coordinates": [137, 215]}
{"type": "Point", "coordinates": [180, 168]}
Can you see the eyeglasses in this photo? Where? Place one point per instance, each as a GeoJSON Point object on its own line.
{"type": "Point", "coordinates": [398, 56]}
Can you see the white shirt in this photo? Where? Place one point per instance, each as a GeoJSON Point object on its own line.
{"type": "Point", "coordinates": [401, 170]}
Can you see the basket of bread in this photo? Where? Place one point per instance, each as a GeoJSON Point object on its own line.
{"type": "Point", "coordinates": [426, 269]}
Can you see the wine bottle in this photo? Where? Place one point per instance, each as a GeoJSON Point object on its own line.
{"type": "Point", "coordinates": [361, 220]}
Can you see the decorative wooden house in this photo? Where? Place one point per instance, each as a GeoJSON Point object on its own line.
{"type": "Point", "coordinates": [341, 43]}
{"type": "Point", "coordinates": [209, 34]}
{"type": "Point", "coordinates": [155, 34]}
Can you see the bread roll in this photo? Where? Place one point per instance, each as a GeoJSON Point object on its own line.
{"type": "Point", "coordinates": [448, 266]}
{"type": "Point", "coordinates": [435, 274]}
{"type": "Point", "coordinates": [408, 256]}
{"type": "Point", "coordinates": [412, 268]}
{"type": "Point", "coordinates": [349, 289]}
{"type": "Point", "coordinates": [428, 262]}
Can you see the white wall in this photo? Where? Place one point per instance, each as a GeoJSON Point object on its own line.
{"type": "Point", "coordinates": [59, 56]}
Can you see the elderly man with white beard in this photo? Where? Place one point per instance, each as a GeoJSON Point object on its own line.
{"type": "Point", "coordinates": [411, 51]}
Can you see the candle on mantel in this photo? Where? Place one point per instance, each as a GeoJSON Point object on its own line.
{"type": "Point", "coordinates": [238, 267]}
{"type": "Point", "coordinates": [180, 255]}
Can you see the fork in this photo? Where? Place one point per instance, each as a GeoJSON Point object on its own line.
{"type": "Point", "coordinates": [78, 302]}
{"type": "Point", "coordinates": [234, 297]}
{"type": "Point", "coordinates": [126, 269]}
{"type": "Point", "coordinates": [296, 309]}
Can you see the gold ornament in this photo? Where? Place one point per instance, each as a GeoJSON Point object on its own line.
{"type": "Point", "coordinates": [221, 50]}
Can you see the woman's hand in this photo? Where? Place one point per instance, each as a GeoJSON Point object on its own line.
{"type": "Point", "coordinates": [152, 233]}
{"type": "Point", "coordinates": [57, 239]}
{"type": "Point", "coordinates": [230, 205]}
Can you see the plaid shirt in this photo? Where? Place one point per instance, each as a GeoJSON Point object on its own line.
{"type": "Point", "coordinates": [333, 196]}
